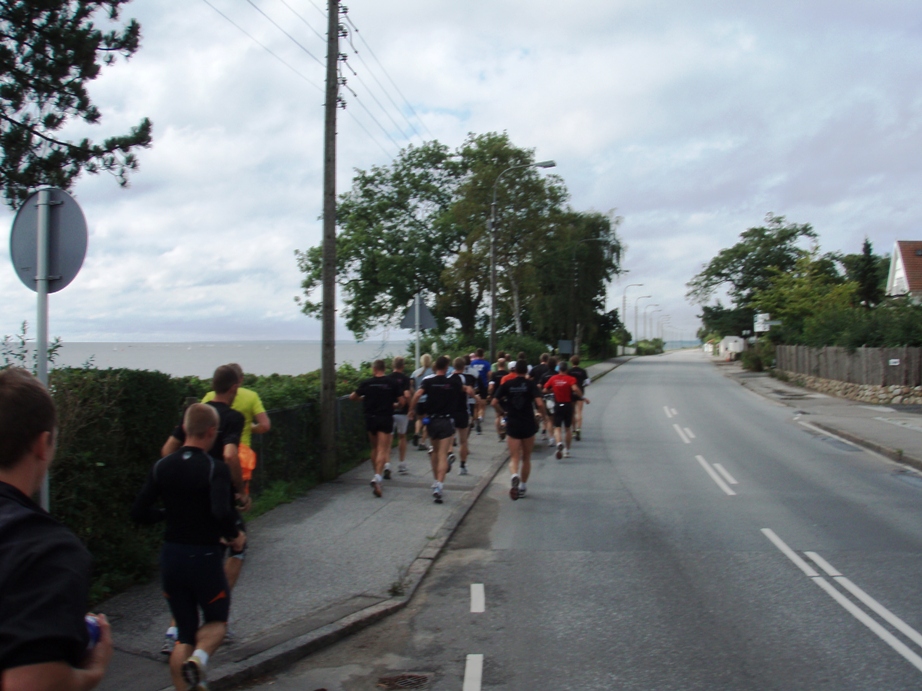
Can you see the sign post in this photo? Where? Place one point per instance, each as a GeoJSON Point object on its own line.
{"type": "Point", "coordinates": [418, 317]}
{"type": "Point", "coordinates": [47, 245]}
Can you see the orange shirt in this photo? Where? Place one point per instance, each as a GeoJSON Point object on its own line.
{"type": "Point", "coordinates": [562, 385]}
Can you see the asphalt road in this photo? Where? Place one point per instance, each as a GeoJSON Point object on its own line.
{"type": "Point", "coordinates": [700, 537]}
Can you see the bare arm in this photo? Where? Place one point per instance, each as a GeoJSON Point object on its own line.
{"type": "Point", "coordinates": [170, 446]}
{"type": "Point", "coordinates": [261, 423]}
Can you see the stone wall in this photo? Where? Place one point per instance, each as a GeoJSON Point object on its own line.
{"type": "Point", "coordinates": [865, 393]}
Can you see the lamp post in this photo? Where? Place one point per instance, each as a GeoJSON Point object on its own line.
{"type": "Point", "coordinates": [539, 164]}
{"type": "Point", "coordinates": [624, 302]}
{"type": "Point", "coordinates": [662, 332]}
{"type": "Point", "coordinates": [636, 300]}
{"type": "Point", "coordinates": [645, 329]}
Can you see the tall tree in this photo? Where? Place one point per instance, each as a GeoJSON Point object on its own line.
{"type": "Point", "coordinates": [49, 51]}
{"type": "Point", "coordinates": [869, 271]}
{"type": "Point", "coordinates": [749, 265]}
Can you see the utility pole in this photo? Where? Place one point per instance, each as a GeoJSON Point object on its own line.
{"type": "Point", "coordinates": [328, 463]}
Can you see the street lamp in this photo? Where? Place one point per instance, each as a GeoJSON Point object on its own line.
{"type": "Point", "coordinates": [661, 322]}
{"type": "Point", "coordinates": [646, 307]}
{"type": "Point", "coordinates": [539, 164]}
{"type": "Point", "coordinates": [636, 334]}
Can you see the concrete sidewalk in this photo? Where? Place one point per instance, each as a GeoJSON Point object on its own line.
{"type": "Point", "coordinates": [891, 431]}
{"type": "Point", "coordinates": [318, 569]}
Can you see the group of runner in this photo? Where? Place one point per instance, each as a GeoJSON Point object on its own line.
{"type": "Point", "coordinates": [446, 400]}
{"type": "Point", "coordinates": [202, 481]}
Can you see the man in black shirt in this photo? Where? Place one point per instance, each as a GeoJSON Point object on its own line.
{"type": "Point", "coordinates": [516, 400]}
{"type": "Point", "coordinates": [200, 519]}
{"type": "Point", "coordinates": [401, 416]}
{"type": "Point", "coordinates": [44, 569]}
{"type": "Point", "coordinates": [463, 410]}
{"type": "Point", "coordinates": [380, 395]}
{"type": "Point", "coordinates": [582, 381]}
{"type": "Point", "coordinates": [536, 374]}
{"type": "Point", "coordinates": [496, 376]}
{"type": "Point", "coordinates": [442, 394]}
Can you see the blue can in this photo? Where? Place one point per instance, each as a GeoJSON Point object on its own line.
{"type": "Point", "coordinates": [93, 630]}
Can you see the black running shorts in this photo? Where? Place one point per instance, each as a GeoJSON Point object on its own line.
{"type": "Point", "coordinates": [193, 578]}
{"type": "Point", "coordinates": [461, 420]}
{"type": "Point", "coordinates": [379, 423]}
{"type": "Point", "coordinates": [563, 415]}
{"type": "Point", "coordinates": [521, 429]}
{"type": "Point", "coordinates": [441, 428]}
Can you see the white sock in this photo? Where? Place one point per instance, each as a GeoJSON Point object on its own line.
{"type": "Point", "coordinates": [377, 478]}
{"type": "Point", "coordinates": [172, 632]}
{"type": "Point", "coordinates": [202, 656]}
{"type": "Point", "coordinates": [387, 466]}
{"type": "Point", "coordinates": [521, 485]}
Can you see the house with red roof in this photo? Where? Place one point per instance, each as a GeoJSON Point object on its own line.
{"type": "Point", "coordinates": [905, 276]}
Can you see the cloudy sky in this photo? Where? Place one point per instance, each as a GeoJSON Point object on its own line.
{"type": "Point", "coordinates": [691, 119]}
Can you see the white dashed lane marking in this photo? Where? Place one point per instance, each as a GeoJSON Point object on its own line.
{"type": "Point", "coordinates": [473, 673]}
{"type": "Point", "coordinates": [478, 599]}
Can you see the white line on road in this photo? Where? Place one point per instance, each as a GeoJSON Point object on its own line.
{"type": "Point", "coordinates": [727, 476]}
{"type": "Point", "coordinates": [473, 673]}
{"type": "Point", "coordinates": [861, 616]}
{"type": "Point", "coordinates": [478, 599]}
{"type": "Point", "coordinates": [789, 553]}
{"type": "Point", "coordinates": [674, 411]}
{"type": "Point", "coordinates": [668, 414]}
{"type": "Point", "coordinates": [681, 434]}
{"type": "Point", "coordinates": [868, 601]}
{"type": "Point", "coordinates": [715, 477]}
{"type": "Point", "coordinates": [691, 435]}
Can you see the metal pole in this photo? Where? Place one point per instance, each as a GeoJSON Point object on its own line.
{"type": "Point", "coordinates": [493, 273]}
{"type": "Point", "coordinates": [328, 351]}
{"type": "Point", "coordinates": [41, 289]}
{"type": "Point", "coordinates": [624, 305]}
{"type": "Point", "coordinates": [417, 331]}
{"type": "Point", "coordinates": [636, 335]}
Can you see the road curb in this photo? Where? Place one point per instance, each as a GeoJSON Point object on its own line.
{"type": "Point", "coordinates": [893, 454]}
{"type": "Point", "coordinates": [285, 654]}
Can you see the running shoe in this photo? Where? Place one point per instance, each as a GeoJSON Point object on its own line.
{"type": "Point", "coordinates": [376, 488]}
{"type": "Point", "coordinates": [477, 426]}
{"type": "Point", "coordinates": [168, 644]}
{"type": "Point", "coordinates": [415, 440]}
{"type": "Point", "coordinates": [522, 489]}
{"type": "Point", "coordinates": [437, 494]}
{"type": "Point", "coordinates": [463, 470]}
{"type": "Point", "coordinates": [387, 473]}
{"type": "Point", "coordinates": [559, 450]}
{"type": "Point", "coordinates": [566, 453]}
{"type": "Point", "coordinates": [514, 490]}
{"type": "Point", "coordinates": [402, 469]}
{"type": "Point", "coordinates": [451, 461]}
{"type": "Point", "coordinates": [550, 442]}
{"type": "Point", "coordinates": [193, 672]}
{"type": "Point", "coordinates": [577, 433]}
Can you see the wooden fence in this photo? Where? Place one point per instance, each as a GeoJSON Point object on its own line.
{"type": "Point", "coordinates": [874, 366]}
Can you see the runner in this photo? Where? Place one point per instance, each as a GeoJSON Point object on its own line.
{"type": "Point", "coordinates": [565, 392]}
{"type": "Point", "coordinates": [200, 519]}
{"type": "Point", "coordinates": [483, 371]}
{"type": "Point", "coordinates": [461, 415]}
{"type": "Point", "coordinates": [401, 417]}
{"type": "Point", "coordinates": [225, 384]}
{"type": "Point", "coordinates": [380, 395]}
{"type": "Point", "coordinates": [548, 399]}
{"type": "Point", "coordinates": [495, 378]}
{"type": "Point", "coordinates": [516, 400]}
{"type": "Point", "coordinates": [536, 374]}
{"type": "Point", "coordinates": [425, 370]}
{"type": "Point", "coordinates": [582, 381]}
{"type": "Point", "coordinates": [441, 394]}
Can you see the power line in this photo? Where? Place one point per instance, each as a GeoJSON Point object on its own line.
{"type": "Point", "coordinates": [386, 112]}
{"type": "Point", "coordinates": [319, 35]}
{"type": "Point", "coordinates": [370, 135]}
{"type": "Point", "coordinates": [263, 46]}
{"type": "Point", "coordinates": [386, 93]}
{"type": "Point", "coordinates": [293, 39]}
{"type": "Point", "coordinates": [371, 115]}
{"type": "Point", "coordinates": [409, 105]}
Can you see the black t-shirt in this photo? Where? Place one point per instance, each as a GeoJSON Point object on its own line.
{"type": "Point", "coordinates": [580, 375]}
{"type": "Point", "coordinates": [44, 582]}
{"type": "Point", "coordinates": [496, 377]}
{"type": "Point", "coordinates": [197, 498]}
{"type": "Point", "coordinates": [230, 427]}
{"type": "Point", "coordinates": [517, 397]}
{"type": "Point", "coordinates": [460, 405]}
{"type": "Point", "coordinates": [443, 395]}
{"type": "Point", "coordinates": [538, 371]}
{"type": "Point", "coordinates": [379, 394]}
{"type": "Point", "coordinates": [404, 383]}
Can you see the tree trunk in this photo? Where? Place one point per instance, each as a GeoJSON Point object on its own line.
{"type": "Point", "coordinates": [515, 306]}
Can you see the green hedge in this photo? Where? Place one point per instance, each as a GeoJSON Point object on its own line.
{"type": "Point", "coordinates": [113, 424]}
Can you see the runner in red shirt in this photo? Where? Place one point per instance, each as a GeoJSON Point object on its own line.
{"type": "Point", "coordinates": [566, 391]}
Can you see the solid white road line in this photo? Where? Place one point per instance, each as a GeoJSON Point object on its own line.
{"type": "Point", "coordinates": [478, 598]}
{"type": "Point", "coordinates": [715, 477]}
{"type": "Point", "coordinates": [861, 616]}
{"type": "Point", "coordinates": [789, 553]}
{"type": "Point", "coordinates": [668, 414]}
{"type": "Point", "coordinates": [868, 601]}
{"type": "Point", "coordinates": [674, 411]}
{"type": "Point", "coordinates": [473, 673]}
{"type": "Point", "coordinates": [691, 435]}
{"type": "Point", "coordinates": [727, 476]}
{"type": "Point", "coordinates": [681, 434]}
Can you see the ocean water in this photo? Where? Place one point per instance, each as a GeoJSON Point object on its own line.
{"type": "Point", "coordinates": [201, 358]}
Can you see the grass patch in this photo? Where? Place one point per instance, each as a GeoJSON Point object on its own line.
{"type": "Point", "coordinates": [278, 493]}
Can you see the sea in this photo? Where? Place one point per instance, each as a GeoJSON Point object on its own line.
{"type": "Point", "coordinates": [200, 358]}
